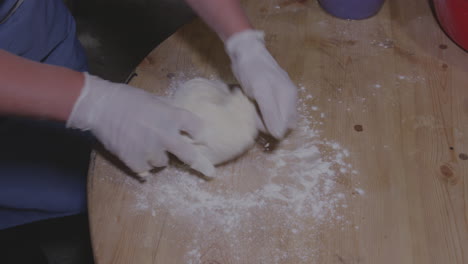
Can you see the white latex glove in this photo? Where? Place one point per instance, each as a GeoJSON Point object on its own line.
{"type": "Point", "coordinates": [137, 126]}
{"type": "Point", "coordinates": [264, 81]}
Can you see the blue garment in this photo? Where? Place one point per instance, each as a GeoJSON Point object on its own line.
{"type": "Point", "coordinates": [43, 166]}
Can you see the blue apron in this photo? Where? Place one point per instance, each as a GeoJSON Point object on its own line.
{"type": "Point", "coordinates": [43, 166]}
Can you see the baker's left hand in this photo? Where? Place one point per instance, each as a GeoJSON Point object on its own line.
{"type": "Point", "coordinates": [263, 80]}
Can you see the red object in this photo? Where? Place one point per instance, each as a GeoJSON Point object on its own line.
{"type": "Point", "coordinates": [453, 16]}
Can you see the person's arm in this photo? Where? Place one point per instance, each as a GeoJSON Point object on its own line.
{"type": "Point", "coordinates": [135, 125]}
{"type": "Point", "coordinates": [259, 74]}
{"type": "Point", "coordinates": [34, 89]}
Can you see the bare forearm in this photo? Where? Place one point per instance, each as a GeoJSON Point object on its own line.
{"type": "Point", "coordinates": [225, 17]}
{"type": "Point", "coordinates": [29, 88]}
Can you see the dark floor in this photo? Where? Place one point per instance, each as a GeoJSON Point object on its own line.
{"type": "Point", "coordinates": [116, 35]}
{"type": "Point", "coordinates": [55, 241]}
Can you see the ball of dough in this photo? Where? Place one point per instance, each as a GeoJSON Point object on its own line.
{"type": "Point", "coordinates": [228, 118]}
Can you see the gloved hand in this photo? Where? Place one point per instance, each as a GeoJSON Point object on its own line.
{"type": "Point", "coordinates": [263, 80]}
{"type": "Point", "coordinates": [137, 126]}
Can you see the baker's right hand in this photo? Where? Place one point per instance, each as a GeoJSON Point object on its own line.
{"type": "Point", "coordinates": [137, 126]}
{"type": "Point", "coordinates": [263, 80]}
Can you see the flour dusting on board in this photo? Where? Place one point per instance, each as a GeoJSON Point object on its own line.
{"type": "Point", "coordinates": [269, 206]}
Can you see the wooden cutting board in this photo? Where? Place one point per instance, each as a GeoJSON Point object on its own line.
{"type": "Point", "coordinates": [375, 172]}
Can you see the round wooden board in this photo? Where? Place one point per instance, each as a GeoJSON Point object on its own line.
{"type": "Point", "coordinates": [383, 101]}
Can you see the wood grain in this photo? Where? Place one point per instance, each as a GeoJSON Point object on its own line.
{"type": "Point", "coordinates": [393, 89]}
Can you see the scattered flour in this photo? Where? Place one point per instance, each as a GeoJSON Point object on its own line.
{"type": "Point", "coordinates": [360, 191]}
{"type": "Point", "coordinates": [411, 79]}
{"type": "Point", "coordinates": [290, 192]}
{"type": "Point", "coordinates": [386, 43]}
{"type": "Point", "coordinates": [89, 41]}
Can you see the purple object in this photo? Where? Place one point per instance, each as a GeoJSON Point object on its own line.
{"type": "Point", "coordinates": [352, 9]}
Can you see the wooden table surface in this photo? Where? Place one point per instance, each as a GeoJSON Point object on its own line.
{"type": "Point", "coordinates": [384, 101]}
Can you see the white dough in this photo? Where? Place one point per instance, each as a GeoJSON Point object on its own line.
{"type": "Point", "coordinates": [228, 118]}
